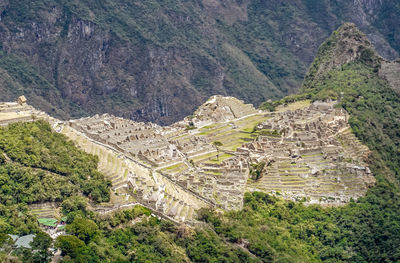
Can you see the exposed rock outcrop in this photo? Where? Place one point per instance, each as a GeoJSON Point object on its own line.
{"type": "Point", "coordinates": [79, 59]}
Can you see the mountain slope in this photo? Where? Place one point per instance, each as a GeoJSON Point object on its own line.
{"type": "Point", "coordinates": [158, 61]}
{"type": "Point", "coordinates": [268, 228]}
{"type": "Point", "coordinates": [38, 166]}
{"type": "Point", "coordinates": [346, 68]}
{"type": "Point", "coordinates": [361, 82]}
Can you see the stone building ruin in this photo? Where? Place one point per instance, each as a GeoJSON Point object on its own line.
{"type": "Point", "coordinates": [309, 153]}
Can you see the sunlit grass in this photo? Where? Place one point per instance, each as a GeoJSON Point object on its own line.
{"type": "Point", "coordinates": [293, 106]}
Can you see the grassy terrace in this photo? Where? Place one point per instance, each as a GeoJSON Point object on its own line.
{"type": "Point", "coordinates": [203, 157]}
{"type": "Point", "coordinates": [234, 134]}
{"type": "Point", "coordinates": [293, 106]}
{"type": "Point", "coordinates": [214, 130]}
{"type": "Point", "coordinates": [221, 158]}
{"type": "Point", "coordinates": [44, 211]}
{"type": "Point", "coordinates": [247, 124]}
{"type": "Point", "coordinates": [174, 169]}
{"type": "Point", "coordinates": [234, 143]}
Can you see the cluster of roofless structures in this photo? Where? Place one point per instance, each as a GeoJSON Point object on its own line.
{"type": "Point", "coordinates": [302, 151]}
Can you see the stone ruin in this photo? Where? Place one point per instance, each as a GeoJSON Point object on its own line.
{"type": "Point", "coordinates": [307, 150]}
{"type": "Point", "coordinates": [310, 153]}
{"type": "Point", "coordinates": [19, 111]}
{"type": "Point", "coordinates": [159, 147]}
{"type": "Point", "coordinates": [144, 141]}
{"type": "Point", "coordinates": [132, 178]}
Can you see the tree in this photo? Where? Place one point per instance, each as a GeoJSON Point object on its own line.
{"type": "Point", "coordinates": [70, 245]}
{"type": "Point", "coordinates": [217, 144]}
{"type": "Point", "coordinates": [42, 241]}
{"type": "Point", "coordinates": [256, 170]}
{"type": "Point", "coordinates": [84, 229]}
{"type": "Point", "coordinates": [74, 203]}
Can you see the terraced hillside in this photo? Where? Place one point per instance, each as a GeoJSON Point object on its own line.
{"type": "Point", "coordinates": [45, 210]}
{"type": "Point", "coordinates": [134, 182]}
{"type": "Point", "coordinates": [310, 153]}
{"type": "Point", "coordinates": [302, 150]}
{"type": "Point", "coordinates": [308, 149]}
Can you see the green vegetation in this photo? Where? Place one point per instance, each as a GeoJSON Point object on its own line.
{"type": "Point", "coordinates": [114, 238]}
{"type": "Point", "coordinates": [256, 170]}
{"type": "Point", "coordinates": [41, 166]}
{"type": "Point", "coordinates": [50, 155]}
{"type": "Point", "coordinates": [277, 230]}
{"type": "Point", "coordinates": [37, 165]}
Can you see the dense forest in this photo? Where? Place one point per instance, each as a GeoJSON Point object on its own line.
{"type": "Point", "coordinates": [267, 229]}
{"type": "Point", "coordinates": [38, 165]}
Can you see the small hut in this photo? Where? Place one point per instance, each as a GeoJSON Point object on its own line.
{"type": "Point", "coordinates": [49, 223]}
{"type": "Point", "coordinates": [22, 100]}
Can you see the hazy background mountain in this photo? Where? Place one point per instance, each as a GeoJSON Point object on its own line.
{"type": "Point", "coordinates": [159, 60]}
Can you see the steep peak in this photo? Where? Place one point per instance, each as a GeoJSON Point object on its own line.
{"type": "Point", "coordinates": [352, 44]}
{"type": "Point", "coordinates": [350, 30]}
{"type": "Point", "coordinates": [346, 44]}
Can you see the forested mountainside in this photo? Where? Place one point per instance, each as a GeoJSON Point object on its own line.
{"type": "Point", "coordinates": [159, 60]}
{"type": "Point", "coordinates": [267, 229]}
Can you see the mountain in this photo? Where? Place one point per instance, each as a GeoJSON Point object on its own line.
{"type": "Point", "coordinates": [39, 165]}
{"type": "Point", "coordinates": [159, 60]}
{"type": "Point", "coordinates": [348, 68]}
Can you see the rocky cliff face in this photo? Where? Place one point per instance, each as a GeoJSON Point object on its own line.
{"type": "Point", "coordinates": [157, 61]}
